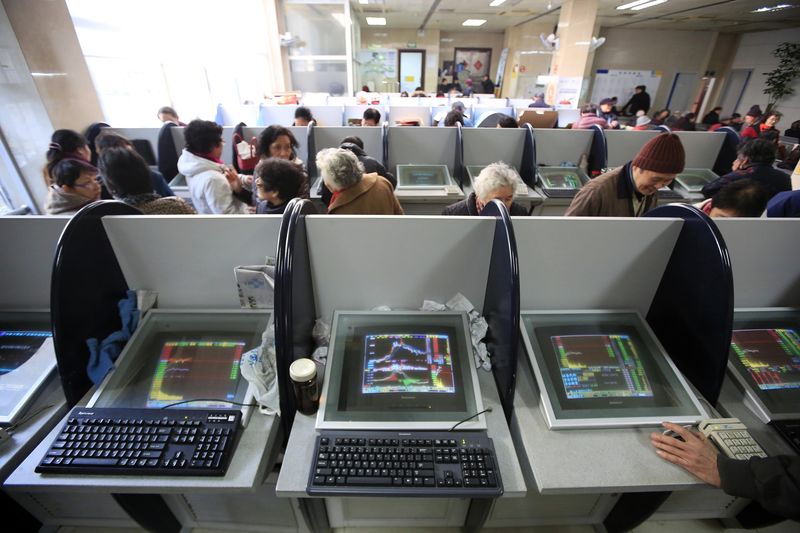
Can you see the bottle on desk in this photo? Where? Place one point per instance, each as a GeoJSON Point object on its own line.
{"type": "Point", "coordinates": [306, 385]}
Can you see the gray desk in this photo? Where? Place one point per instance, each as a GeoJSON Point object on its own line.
{"type": "Point", "coordinates": [298, 458]}
{"type": "Point", "coordinates": [246, 471]}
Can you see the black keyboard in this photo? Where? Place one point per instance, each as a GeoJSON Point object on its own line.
{"type": "Point", "coordinates": [790, 431]}
{"type": "Point", "coordinates": [401, 463]}
{"type": "Point", "coordinates": [560, 193]}
{"type": "Point", "coordinates": [144, 442]}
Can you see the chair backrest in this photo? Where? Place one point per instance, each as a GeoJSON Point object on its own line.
{"type": "Point", "coordinates": [167, 154]}
{"type": "Point", "coordinates": [144, 149]}
{"type": "Point", "coordinates": [538, 119]}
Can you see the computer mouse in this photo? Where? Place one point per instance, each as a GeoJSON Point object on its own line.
{"type": "Point", "coordinates": [670, 433]}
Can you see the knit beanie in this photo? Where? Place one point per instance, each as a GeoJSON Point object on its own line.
{"type": "Point", "coordinates": [663, 154]}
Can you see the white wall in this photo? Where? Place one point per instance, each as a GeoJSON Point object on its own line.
{"type": "Point", "coordinates": [755, 52]}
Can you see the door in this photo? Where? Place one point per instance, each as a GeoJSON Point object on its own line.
{"type": "Point", "coordinates": [680, 96]}
{"type": "Point", "coordinates": [412, 70]}
{"type": "Point", "coordinates": [734, 89]}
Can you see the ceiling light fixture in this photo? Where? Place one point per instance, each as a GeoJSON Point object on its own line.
{"type": "Point", "coordinates": [495, 3]}
{"type": "Point", "coordinates": [474, 22]}
{"type": "Point", "coordinates": [779, 7]}
{"type": "Point", "coordinates": [376, 21]}
{"type": "Point", "coordinates": [632, 4]}
{"type": "Point", "coordinates": [648, 4]}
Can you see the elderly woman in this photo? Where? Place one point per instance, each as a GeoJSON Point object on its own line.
{"type": "Point", "coordinates": [497, 181]}
{"type": "Point", "coordinates": [355, 193]}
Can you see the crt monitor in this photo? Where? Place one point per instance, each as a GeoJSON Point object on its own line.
{"type": "Point", "coordinates": [693, 180]}
{"type": "Point", "coordinates": [604, 369]}
{"type": "Point", "coordinates": [176, 357]}
{"type": "Point", "coordinates": [27, 358]}
{"type": "Point", "coordinates": [399, 370]}
{"type": "Point", "coordinates": [562, 178]}
{"type": "Point", "coordinates": [422, 176]}
{"type": "Point", "coordinates": [765, 359]}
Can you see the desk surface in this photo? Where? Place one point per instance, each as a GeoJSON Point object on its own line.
{"type": "Point", "coordinates": [298, 457]}
{"type": "Point", "coordinates": [246, 471]}
{"type": "Point", "coordinates": [33, 431]}
{"type": "Point", "coordinates": [587, 461]}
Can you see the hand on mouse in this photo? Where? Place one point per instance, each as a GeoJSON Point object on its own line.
{"type": "Point", "coordinates": [692, 450]}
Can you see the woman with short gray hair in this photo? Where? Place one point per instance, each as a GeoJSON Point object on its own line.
{"type": "Point", "coordinates": [496, 181]}
{"type": "Point", "coordinates": [355, 193]}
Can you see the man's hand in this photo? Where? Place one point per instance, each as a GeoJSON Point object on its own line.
{"type": "Point", "coordinates": [695, 453]}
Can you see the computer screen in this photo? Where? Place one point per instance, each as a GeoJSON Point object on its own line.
{"type": "Point", "coordinates": [603, 367]}
{"type": "Point", "coordinates": [422, 176]}
{"type": "Point", "coordinates": [18, 346]}
{"type": "Point", "coordinates": [692, 181]}
{"type": "Point", "coordinates": [561, 178]}
{"type": "Point", "coordinates": [177, 356]}
{"type": "Point", "coordinates": [765, 354]}
{"type": "Point", "coordinates": [192, 368]}
{"type": "Point", "coordinates": [399, 368]}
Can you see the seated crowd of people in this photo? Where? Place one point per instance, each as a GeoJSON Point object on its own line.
{"type": "Point", "coordinates": [81, 171]}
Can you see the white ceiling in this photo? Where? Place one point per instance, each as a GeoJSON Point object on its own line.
{"type": "Point", "coordinates": [711, 15]}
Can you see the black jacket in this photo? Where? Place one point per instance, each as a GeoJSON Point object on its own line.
{"type": "Point", "coordinates": [468, 207]}
{"type": "Point", "coordinates": [773, 180]}
{"type": "Point", "coordinates": [711, 118]}
{"type": "Point", "coordinates": [639, 101]}
{"type": "Point", "coordinates": [774, 482]}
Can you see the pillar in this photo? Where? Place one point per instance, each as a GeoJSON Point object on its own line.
{"type": "Point", "coordinates": [573, 59]}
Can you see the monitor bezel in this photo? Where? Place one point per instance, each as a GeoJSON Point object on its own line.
{"type": "Point", "coordinates": [448, 178]}
{"type": "Point", "coordinates": [584, 179]}
{"type": "Point", "coordinates": [42, 364]}
{"type": "Point", "coordinates": [539, 367]}
{"type": "Point", "coordinates": [752, 397]}
{"type": "Point", "coordinates": [129, 362]}
{"type": "Point", "coordinates": [708, 177]}
{"type": "Point", "coordinates": [471, 383]}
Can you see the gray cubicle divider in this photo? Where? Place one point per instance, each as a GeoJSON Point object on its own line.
{"type": "Point", "coordinates": [322, 137]}
{"type": "Point", "coordinates": [727, 153]}
{"type": "Point", "coordinates": [421, 113]}
{"type": "Point", "coordinates": [568, 116]}
{"type": "Point", "coordinates": [448, 255]}
{"type": "Point", "coordinates": [180, 142]}
{"type": "Point", "coordinates": [327, 115]}
{"type": "Point", "coordinates": [301, 134]}
{"type": "Point", "coordinates": [622, 146]}
{"type": "Point", "coordinates": [701, 147]}
{"type": "Point", "coordinates": [483, 146]}
{"type": "Point", "coordinates": [231, 115]}
{"type": "Point", "coordinates": [148, 134]}
{"type": "Point", "coordinates": [424, 146]}
{"type": "Point", "coordinates": [283, 115]}
{"type": "Point", "coordinates": [357, 111]}
{"type": "Point", "coordinates": [554, 146]}
{"type": "Point", "coordinates": [765, 259]}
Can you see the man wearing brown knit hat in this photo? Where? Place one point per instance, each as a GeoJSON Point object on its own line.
{"type": "Point", "coordinates": [631, 190]}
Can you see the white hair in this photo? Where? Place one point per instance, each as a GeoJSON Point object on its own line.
{"type": "Point", "coordinates": [339, 168]}
{"type": "Point", "coordinates": [493, 177]}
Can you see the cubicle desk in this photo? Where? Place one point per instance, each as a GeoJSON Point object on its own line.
{"type": "Point", "coordinates": [579, 474]}
{"type": "Point", "coordinates": [399, 512]}
{"type": "Point", "coordinates": [702, 149]}
{"type": "Point", "coordinates": [552, 148]}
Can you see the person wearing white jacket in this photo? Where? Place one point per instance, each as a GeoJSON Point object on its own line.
{"type": "Point", "coordinates": [215, 188]}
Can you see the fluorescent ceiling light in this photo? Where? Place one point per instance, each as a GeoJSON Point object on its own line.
{"type": "Point", "coordinates": [376, 21]}
{"type": "Point", "coordinates": [495, 3]}
{"type": "Point", "coordinates": [447, 39]}
{"type": "Point", "coordinates": [474, 22]}
{"type": "Point", "coordinates": [631, 4]}
{"type": "Point", "coordinates": [773, 8]}
{"type": "Point", "coordinates": [48, 74]}
{"type": "Point", "coordinates": [648, 4]}
{"type": "Point", "coordinates": [363, 2]}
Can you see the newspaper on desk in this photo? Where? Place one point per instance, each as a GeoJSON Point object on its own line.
{"type": "Point", "coordinates": [477, 325]}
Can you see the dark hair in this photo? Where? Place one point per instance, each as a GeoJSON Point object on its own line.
{"type": "Point", "coordinates": [771, 114]}
{"type": "Point", "coordinates": [642, 87]}
{"type": "Point", "coordinates": [772, 135]}
{"type": "Point", "coordinates": [689, 116]}
{"type": "Point", "coordinates": [90, 134]}
{"type": "Point", "coordinates": [736, 115]}
{"type": "Point", "coordinates": [68, 171]}
{"type": "Point", "coordinates": [202, 136]}
{"type": "Point", "coordinates": [453, 117]}
{"type": "Point", "coordinates": [508, 122]}
{"type": "Point", "coordinates": [353, 140]}
{"type": "Point", "coordinates": [439, 94]}
{"type": "Point", "coordinates": [167, 110]}
{"type": "Point", "coordinates": [589, 108]}
{"type": "Point", "coordinates": [280, 176]}
{"type": "Point", "coordinates": [270, 135]}
{"type": "Point", "coordinates": [372, 114]}
{"type": "Point", "coordinates": [304, 113]}
{"type": "Point", "coordinates": [419, 89]}
{"type": "Point", "coordinates": [758, 151]}
{"type": "Point", "coordinates": [716, 108]}
{"type": "Point", "coordinates": [746, 197]}
{"type": "Point", "coordinates": [63, 144]}
{"type": "Point", "coordinates": [109, 139]}
{"type": "Point", "coordinates": [125, 173]}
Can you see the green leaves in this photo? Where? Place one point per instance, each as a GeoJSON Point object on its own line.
{"type": "Point", "coordinates": [779, 81]}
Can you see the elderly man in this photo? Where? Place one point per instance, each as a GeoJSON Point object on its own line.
{"type": "Point", "coordinates": [355, 193]}
{"type": "Point", "coordinates": [631, 190]}
{"type": "Point", "coordinates": [497, 181]}
{"type": "Point", "coordinates": [754, 161]}
{"type": "Point", "coordinates": [607, 112]}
